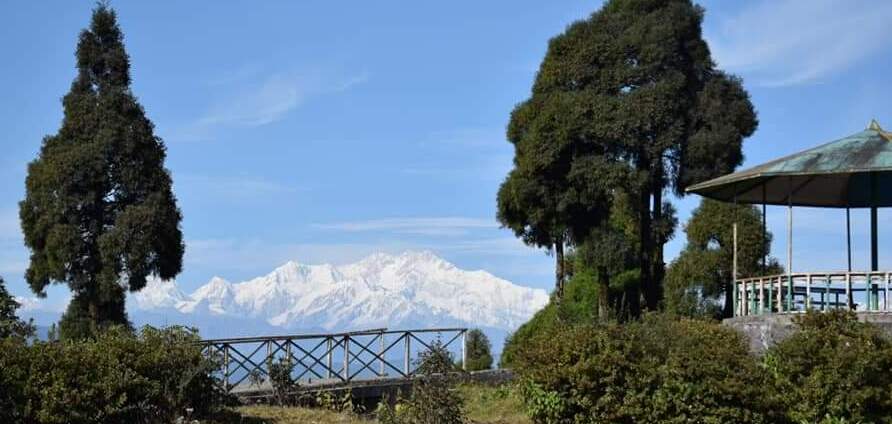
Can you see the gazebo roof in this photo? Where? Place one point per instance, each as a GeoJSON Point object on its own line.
{"type": "Point", "coordinates": [855, 171]}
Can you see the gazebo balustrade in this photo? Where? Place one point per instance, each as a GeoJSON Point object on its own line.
{"type": "Point", "coordinates": [862, 291]}
{"type": "Point", "coordinates": [852, 172]}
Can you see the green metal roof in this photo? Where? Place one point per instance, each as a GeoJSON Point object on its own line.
{"type": "Point", "coordinates": [855, 171]}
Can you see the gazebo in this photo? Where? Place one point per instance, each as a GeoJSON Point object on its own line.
{"type": "Point", "coordinates": [852, 172]}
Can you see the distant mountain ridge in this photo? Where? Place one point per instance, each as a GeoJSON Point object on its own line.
{"type": "Point", "coordinates": [410, 290]}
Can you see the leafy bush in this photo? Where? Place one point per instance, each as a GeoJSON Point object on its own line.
{"type": "Point", "coordinates": [14, 358]}
{"type": "Point", "coordinates": [284, 386]}
{"type": "Point", "coordinates": [478, 351]}
{"type": "Point", "coordinates": [834, 366]}
{"type": "Point", "coordinates": [578, 306]}
{"type": "Point", "coordinates": [434, 399]}
{"type": "Point", "coordinates": [658, 370]}
{"type": "Point", "coordinates": [117, 377]}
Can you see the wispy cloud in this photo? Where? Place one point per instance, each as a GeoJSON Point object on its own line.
{"type": "Point", "coordinates": [431, 226]}
{"type": "Point", "coordinates": [248, 98]}
{"type": "Point", "coordinates": [789, 42]}
{"type": "Point", "coordinates": [232, 187]}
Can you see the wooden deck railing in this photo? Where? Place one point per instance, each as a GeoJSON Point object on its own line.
{"type": "Point", "coordinates": [857, 291]}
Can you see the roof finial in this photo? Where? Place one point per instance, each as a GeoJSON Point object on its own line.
{"type": "Point", "coordinates": [875, 126]}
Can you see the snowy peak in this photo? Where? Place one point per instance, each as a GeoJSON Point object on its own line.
{"type": "Point", "coordinates": [408, 290]}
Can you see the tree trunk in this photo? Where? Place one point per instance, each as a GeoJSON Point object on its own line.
{"type": "Point", "coordinates": [645, 236]}
{"type": "Point", "coordinates": [728, 308]}
{"type": "Point", "coordinates": [559, 269]}
{"type": "Point", "coordinates": [654, 294]}
{"type": "Point", "coordinates": [603, 295]}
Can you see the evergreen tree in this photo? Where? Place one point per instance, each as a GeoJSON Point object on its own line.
{"type": "Point", "coordinates": [702, 272]}
{"type": "Point", "coordinates": [10, 324]}
{"type": "Point", "coordinates": [478, 351]}
{"type": "Point", "coordinates": [99, 214]}
{"type": "Point", "coordinates": [631, 98]}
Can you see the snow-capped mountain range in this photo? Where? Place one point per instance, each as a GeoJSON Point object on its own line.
{"type": "Point", "coordinates": [410, 290]}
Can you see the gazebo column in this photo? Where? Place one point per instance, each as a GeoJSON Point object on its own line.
{"type": "Point", "coordinates": [873, 291]}
{"type": "Point", "coordinates": [789, 306]}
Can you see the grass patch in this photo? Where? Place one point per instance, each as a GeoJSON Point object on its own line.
{"type": "Point", "coordinates": [483, 405]}
{"type": "Point", "coordinates": [493, 405]}
{"type": "Point", "coordinates": [258, 414]}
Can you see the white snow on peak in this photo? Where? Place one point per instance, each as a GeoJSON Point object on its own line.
{"type": "Point", "coordinates": [407, 290]}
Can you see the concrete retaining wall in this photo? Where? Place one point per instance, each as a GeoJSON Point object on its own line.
{"type": "Point", "coordinates": [764, 331]}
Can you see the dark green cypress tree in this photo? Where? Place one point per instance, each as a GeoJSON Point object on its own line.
{"type": "Point", "coordinates": [99, 214]}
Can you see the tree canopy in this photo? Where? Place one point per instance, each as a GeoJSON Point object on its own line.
{"type": "Point", "coordinates": [10, 324]}
{"type": "Point", "coordinates": [703, 269]}
{"type": "Point", "coordinates": [99, 214]}
{"type": "Point", "coordinates": [627, 100]}
{"type": "Point", "coordinates": [478, 351]}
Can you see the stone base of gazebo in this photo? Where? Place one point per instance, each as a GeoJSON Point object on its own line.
{"type": "Point", "coordinates": [764, 331]}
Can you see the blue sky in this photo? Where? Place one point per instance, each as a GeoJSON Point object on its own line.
{"type": "Point", "coordinates": [326, 131]}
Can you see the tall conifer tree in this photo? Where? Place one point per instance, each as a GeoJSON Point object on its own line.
{"type": "Point", "coordinates": [99, 214]}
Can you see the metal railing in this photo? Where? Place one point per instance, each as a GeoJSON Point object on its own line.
{"type": "Point", "coordinates": [798, 292]}
{"type": "Point", "coordinates": [328, 358]}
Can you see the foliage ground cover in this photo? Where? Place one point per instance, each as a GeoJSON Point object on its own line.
{"type": "Point", "coordinates": [117, 377]}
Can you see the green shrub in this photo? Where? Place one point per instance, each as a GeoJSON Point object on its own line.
{"type": "Point", "coordinates": [834, 366]}
{"type": "Point", "coordinates": [117, 377]}
{"type": "Point", "coordinates": [284, 386]}
{"type": "Point", "coordinates": [14, 359]}
{"type": "Point", "coordinates": [434, 398]}
{"type": "Point", "coordinates": [658, 370]}
{"type": "Point", "coordinates": [577, 307]}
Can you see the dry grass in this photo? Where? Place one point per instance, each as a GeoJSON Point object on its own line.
{"type": "Point", "coordinates": [493, 405]}
{"type": "Point", "coordinates": [289, 415]}
{"type": "Point", "coordinates": [483, 405]}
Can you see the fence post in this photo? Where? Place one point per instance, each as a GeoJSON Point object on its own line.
{"type": "Point", "coordinates": [464, 349]}
{"type": "Point", "coordinates": [269, 358]}
{"type": "Point", "coordinates": [329, 348]}
{"type": "Point", "coordinates": [826, 305]}
{"type": "Point", "coordinates": [761, 296]}
{"type": "Point", "coordinates": [808, 292]}
{"type": "Point", "coordinates": [780, 293]}
{"type": "Point", "coordinates": [346, 357]}
{"type": "Point", "coordinates": [886, 294]}
{"type": "Point", "coordinates": [408, 354]}
{"type": "Point", "coordinates": [226, 367]}
{"type": "Point", "coordinates": [381, 354]}
{"type": "Point", "coordinates": [849, 291]}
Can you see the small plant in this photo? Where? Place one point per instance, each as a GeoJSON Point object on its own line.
{"type": "Point", "coordinates": [433, 399]}
{"type": "Point", "coordinates": [284, 386]}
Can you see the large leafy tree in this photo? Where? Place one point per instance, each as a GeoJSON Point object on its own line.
{"type": "Point", "coordinates": [701, 274]}
{"type": "Point", "coordinates": [99, 214]}
{"type": "Point", "coordinates": [632, 86]}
